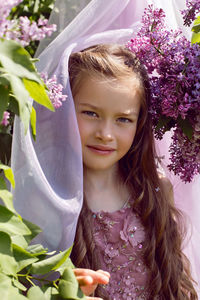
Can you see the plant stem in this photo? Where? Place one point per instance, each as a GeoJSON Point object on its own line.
{"type": "Point", "coordinates": [29, 277]}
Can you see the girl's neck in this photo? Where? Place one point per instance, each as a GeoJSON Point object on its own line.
{"type": "Point", "coordinates": [100, 179]}
{"type": "Point", "coordinates": [104, 190]}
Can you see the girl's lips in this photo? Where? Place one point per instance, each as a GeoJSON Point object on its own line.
{"type": "Point", "coordinates": [101, 149]}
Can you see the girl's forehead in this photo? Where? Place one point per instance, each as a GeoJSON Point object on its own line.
{"type": "Point", "coordinates": [112, 95]}
{"type": "Point", "coordinates": [129, 84]}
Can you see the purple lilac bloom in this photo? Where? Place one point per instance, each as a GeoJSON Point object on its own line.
{"type": "Point", "coordinates": [185, 155]}
{"type": "Point", "coordinates": [32, 31]}
{"type": "Point", "coordinates": [22, 30]}
{"type": "Point", "coordinates": [193, 8]}
{"type": "Point", "coordinates": [6, 6]}
{"type": "Point", "coordinates": [172, 63]}
{"type": "Point", "coordinates": [6, 116]}
{"type": "Point", "coordinates": [54, 90]}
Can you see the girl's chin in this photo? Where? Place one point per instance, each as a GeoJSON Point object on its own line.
{"type": "Point", "coordinates": [99, 166]}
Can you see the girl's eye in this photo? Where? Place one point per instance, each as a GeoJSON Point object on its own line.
{"type": "Point", "coordinates": [124, 120]}
{"type": "Point", "coordinates": [89, 113]}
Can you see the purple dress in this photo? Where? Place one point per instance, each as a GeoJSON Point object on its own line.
{"type": "Point", "coordinates": [119, 237]}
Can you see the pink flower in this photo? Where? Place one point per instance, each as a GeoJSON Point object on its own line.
{"type": "Point", "coordinates": [22, 30]}
{"type": "Point", "coordinates": [133, 231]}
{"type": "Point", "coordinates": [110, 251]}
{"type": "Point", "coordinates": [55, 90]}
{"type": "Point", "coordinates": [6, 6]}
{"type": "Point", "coordinates": [6, 116]}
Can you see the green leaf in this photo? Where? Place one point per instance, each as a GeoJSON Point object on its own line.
{"type": "Point", "coordinates": [8, 174]}
{"type": "Point", "coordinates": [13, 105]}
{"type": "Point", "coordinates": [24, 240]}
{"type": "Point", "coordinates": [186, 127]}
{"type": "Point", "coordinates": [23, 257]}
{"type": "Point", "coordinates": [11, 223]}
{"type": "Point", "coordinates": [3, 79]}
{"type": "Point", "coordinates": [4, 97]}
{"type": "Point", "coordinates": [37, 249]}
{"type": "Point", "coordinates": [68, 286]}
{"type": "Point", "coordinates": [50, 292]}
{"type": "Point", "coordinates": [7, 291]}
{"type": "Point", "coordinates": [17, 61]}
{"type": "Point", "coordinates": [63, 258]}
{"type": "Point", "coordinates": [196, 28]}
{"type": "Point", "coordinates": [19, 240]}
{"type": "Point", "coordinates": [163, 122]}
{"type": "Point", "coordinates": [197, 20]}
{"type": "Point", "coordinates": [51, 263]}
{"type": "Point", "coordinates": [35, 293]}
{"type": "Point", "coordinates": [67, 264]}
{"type": "Point", "coordinates": [38, 93]}
{"type": "Point", "coordinates": [196, 25]}
{"type": "Point", "coordinates": [195, 38]}
{"type": "Point", "coordinates": [67, 290]}
{"type": "Point", "coordinates": [33, 123]}
{"type": "Point", "coordinates": [8, 264]}
{"type": "Point", "coordinates": [11, 293]}
{"type": "Point", "coordinates": [5, 195]}
{"type": "Point", "coordinates": [5, 281]}
{"type": "Point", "coordinates": [33, 229]}
{"type": "Point", "coordinates": [18, 285]}
{"type": "Point", "coordinates": [36, 6]}
{"type": "Point", "coordinates": [22, 96]}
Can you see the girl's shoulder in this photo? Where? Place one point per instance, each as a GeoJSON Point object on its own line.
{"type": "Point", "coordinates": [167, 187]}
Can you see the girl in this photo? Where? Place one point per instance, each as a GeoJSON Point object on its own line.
{"type": "Point", "coordinates": [52, 168]}
{"type": "Point", "coordinates": [128, 225]}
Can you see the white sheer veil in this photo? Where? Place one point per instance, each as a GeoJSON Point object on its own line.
{"type": "Point", "coordinates": [48, 173]}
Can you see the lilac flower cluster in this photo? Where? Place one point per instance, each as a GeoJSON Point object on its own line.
{"type": "Point", "coordinates": [54, 93]}
{"type": "Point", "coordinates": [32, 31]}
{"type": "Point", "coordinates": [193, 7]}
{"type": "Point", "coordinates": [6, 6]}
{"type": "Point", "coordinates": [183, 158]}
{"type": "Point", "coordinates": [22, 30]}
{"type": "Point", "coordinates": [172, 63]}
{"type": "Point", "coordinates": [6, 116]}
{"type": "Point", "coordinates": [54, 90]}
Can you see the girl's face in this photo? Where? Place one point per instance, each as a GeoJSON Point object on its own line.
{"type": "Point", "coordinates": [107, 115]}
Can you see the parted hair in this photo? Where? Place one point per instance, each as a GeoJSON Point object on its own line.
{"type": "Point", "coordinates": [170, 274]}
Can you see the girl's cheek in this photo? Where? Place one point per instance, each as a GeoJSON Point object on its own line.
{"type": "Point", "coordinates": [85, 128]}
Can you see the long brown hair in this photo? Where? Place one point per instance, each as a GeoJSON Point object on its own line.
{"type": "Point", "coordinates": [169, 267]}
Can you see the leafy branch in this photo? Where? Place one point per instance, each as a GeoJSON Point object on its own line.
{"type": "Point", "coordinates": [23, 265]}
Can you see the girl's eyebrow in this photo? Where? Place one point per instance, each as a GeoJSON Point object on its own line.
{"type": "Point", "coordinates": [90, 105]}
{"type": "Point", "coordinates": [127, 113]}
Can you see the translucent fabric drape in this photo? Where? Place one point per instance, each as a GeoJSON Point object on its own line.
{"type": "Point", "coordinates": [48, 173]}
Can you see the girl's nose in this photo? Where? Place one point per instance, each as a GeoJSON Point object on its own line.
{"type": "Point", "coordinates": [104, 132]}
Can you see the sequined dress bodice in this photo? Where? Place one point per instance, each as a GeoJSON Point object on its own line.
{"type": "Point", "coordinates": [119, 241]}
